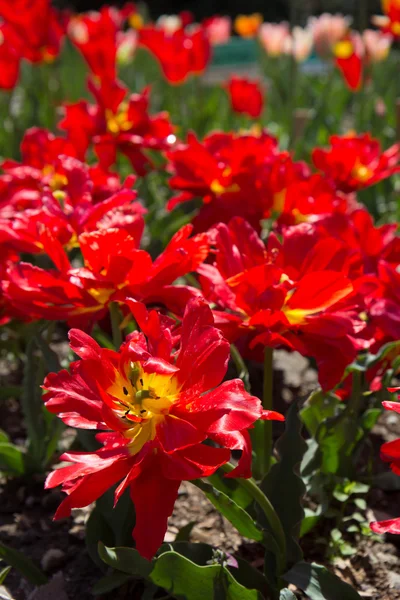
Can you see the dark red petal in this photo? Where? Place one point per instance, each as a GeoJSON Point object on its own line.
{"type": "Point", "coordinates": [154, 497]}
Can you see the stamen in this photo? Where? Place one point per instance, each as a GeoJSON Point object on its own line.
{"type": "Point", "coordinates": [125, 391]}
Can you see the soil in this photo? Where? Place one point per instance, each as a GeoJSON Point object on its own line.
{"type": "Point", "coordinates": [59, 549]}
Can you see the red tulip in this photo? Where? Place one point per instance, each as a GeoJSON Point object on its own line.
{"type": "Point", "coordinates": [114, 268]}
{"type": "Point", "coordinates": [157, 409]}
{"type": "Point", "coordinates": [117, 122]}
{"type": "Point", "coordinates": [348, 55]}
{"type": "Point", "coordinates": [354, 162]}
{"type": "Point", "coordinates": [297, 294]}
{"type": "Point", "coordinates": [246, 96]}
{"type": "Point", "coordinates": [390, 452]}
{"type": "Point", "coordinates": [181, 53]}
{"type": "Point", "coordinates": [35, 29]}
{"type": "Point", "coordinates": [95, 36]}
{"type": "Point", "coordinates": [390, 22]}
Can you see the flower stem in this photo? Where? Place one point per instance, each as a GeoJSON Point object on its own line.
{"type": "Point", "coordinates": [356, 401]}
{"type": "Point", "coordinates": [115, 325]}
{"type": "Point", "coordinates": [263, 502]}
{"type": "Point", "coordinates": [241, 368]}
{"type": "Point", "coordinates": [262, 436]}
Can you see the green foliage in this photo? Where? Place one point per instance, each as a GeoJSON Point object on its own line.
{"type": "Point", "coordinates": [239, 518]}
{"type": "Point", "coordinates": [176, 572]}
{"type": "Point", "coordinates": [283, 485]}
{"type": "Point", "coordinates": [22, 564]}
{"type": "Point", "coordinates": [319, 583]}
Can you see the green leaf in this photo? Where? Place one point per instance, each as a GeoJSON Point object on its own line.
{"type": "Point", "coordinates": [318, 407]}
{"type": "Point", "coordinates": [202, 554]}
{"type": "Point", "coordinates": [98, 530]}
{"type": "Point", "coordinates": [373, 359]}
{"type": "Point", "coordinates": [311, 518]}
{"type": "Point", "coordinates": [127, 560]}
{"type": "Point", "coordinates": [239, 518]}
{"type": "Point", "coordinates": [110, 582]}
{"type": "Point", "coordinates": [337, 437]}
{"type": "Point", "coordinates": [369, 418]}
{"type": "Point", "coordinates": [183, 534]}
{"type": "Point", "coordinates": [22, 564]}
{"type": "Point", "coordinates": [318, 583]}
{"type": "Point", "coordinates": [11, 459]}
{"type": "Point", "coordinates": [3, 574]}
{"type": "Point", "coordinates": [181, 577]}
{"type": "Point", "coordinates": [231, 488]}
{"type": "Point", "coordinates": [121, 520]}
{"type": "Point", "coordinates": [283, 486]}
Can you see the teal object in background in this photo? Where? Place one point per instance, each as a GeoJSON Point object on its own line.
{"type": "Point", "coordinates": [237, 51]}
{"type": "Point", "coordinates": [240, 52]}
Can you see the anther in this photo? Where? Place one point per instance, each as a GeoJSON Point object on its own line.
{"type": "Point", "coordinates": [125, 391]}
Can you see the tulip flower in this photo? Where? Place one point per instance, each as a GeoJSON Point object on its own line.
{"type": "Point", "coordinates": [299, 44]}
{"type": "Point", "coordinates": [273, 37]}
{"type": "Point", "coordinates": [377, 45]}
{"type": "Point", "coordinates": [390, 22]}
{"type": "Point", "coordinates": [355, 162]}
{"type": "Point", "coordinates": [390, 452]}
{"type": "Point", "coordinates": [47, 166]}
{"type": "Point", "coordinates": [246, 96]}
{"type": "Point", "coordinates": [247, 26]}
{"type": "Point", "coordinates": [155, 409]}
{"type": "Point", "coordinates": [218, 29]}
{"type": "Point", "coordinates": [349, 54]}
{"type": "Point", "coordinates": [119, 121]}
{"type": "Point", "coordinates": [225, 170]}
{"type": "Point", "coordinates": [327, 31]}
{"type": "Point", "coordinates": [296, 293]}
{"type": "Point", "coordinates": [33, 31]}
{"type": "Point", "coordinates": [95, 34]}
{"type": "Point", "coordinates": [180, 53]}
{"type": "Point", "coordinates": [113, 268]}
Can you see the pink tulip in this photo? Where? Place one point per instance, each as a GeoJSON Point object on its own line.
{"type": "Point", "coordinates": [377, 45]}
{"type": "Point", "coordinates": [218, 29]}
{"type": "Point", "coordinates": [299, 44]}
{"type": "Point", "coordinates": [273, 36]}
{"type": "Point", "coordinates": [327, 30]}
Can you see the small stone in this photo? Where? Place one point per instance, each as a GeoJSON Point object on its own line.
{"type": "Point", "coordinates": [394, 580]}
{"type": "Point", "coordinates": [52, 559]}
{"type": "Point", "coordinates": [54, 590]}
{"type": "Point", "coordinates": [169, 537]}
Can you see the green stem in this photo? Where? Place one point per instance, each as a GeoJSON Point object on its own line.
{"type": "Point", "coordinates": [115, 325]}
{"type": "Point", "coordinates": [262, 436]}
{"type": "Point", "coordinates": [357, 399]}
{"type": "Point", "coordinates": [241, 368]}
{"type": "Point", "coordinates": [263, 502]}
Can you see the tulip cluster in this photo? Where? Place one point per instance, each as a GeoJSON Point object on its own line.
{"type": "Point", "coordinates": [277, 252]}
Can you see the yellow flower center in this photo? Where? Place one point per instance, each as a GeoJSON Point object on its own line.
{"type": "Point", "coordinates": [57, 180]}
{"type": "Point", "coordinates": [136, 21]}
{"type": "Point", "coordinates": [395, 27]}
{"type": "Point", "coordinates": [117, 122]}
{"type": "Point", "coordinates": [344, 49]}
{"type": "Point", "coordinates": [219, 188]}
{"type": "Point", "coordinates": [142, 400]}
{"type": "Point", "coordinates": [362, 173]}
